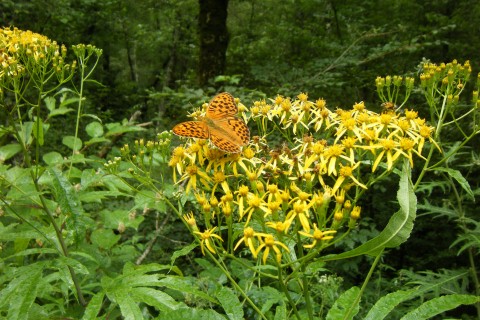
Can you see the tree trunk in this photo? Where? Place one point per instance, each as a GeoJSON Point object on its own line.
{"type": "Point", "coordinates": [213, 34]}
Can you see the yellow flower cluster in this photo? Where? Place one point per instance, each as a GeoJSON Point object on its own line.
{"type": "Point", "coordinates": [25, 50]}
{"type": "Point", "coordinates": [279, 190]}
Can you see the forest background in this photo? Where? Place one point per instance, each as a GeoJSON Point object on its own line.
{"type": "Point", "coordinates": [161, 59]}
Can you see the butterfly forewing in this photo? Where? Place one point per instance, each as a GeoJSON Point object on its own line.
{"type": "Point", "coordinates": [192, 129]}
{"type": "Point", "coordinates": [222, 106]}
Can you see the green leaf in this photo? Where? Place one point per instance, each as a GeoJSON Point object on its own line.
{"type": "Point", "coordinates": [65, 194]}
{"type": "Point", "coordinates": [387, 303]}
{"type": "Point", "coordinates": [94, 306]}
{"type": "Point", "coordinates": [53, 158]}
{"type": "Point", "coordinates": [281, 312]}
{"type": "Point", "coordinates": [59, 112]}
{"type": "Point", "coordinates": [94, 129]}
{"type": "Point", "coordinates": [21, 292]}
{"type": "Point", "coordinates": [50, 103]}
{"type": "Point", "coordinates": [105, 239]}
{"type": "Point", "coordinates": [129, 308]}
{"type": "Point", "coordinates": [156, 298]}
{"type": "Point", "coordinates": [399, 226]}
{"type": "Point", "coordinates": [457, 175]}
{"type": "Point", "coordinates": [230, 303]}
{"type": "Point", "coordinates": [9, 150]}
{"type": "Point", "coordinates": [183, 285]}
{"type": "Point", "coordinates": [72, 142]}
{"type": "Point", "coordinates": [192, 314]}
{"type": "Point", "coordinates": [438, 305]}
{"type": "Point", "coordinates": [117, 128]}
{"type": "Point", "coordinates": [183, 252]}
{"type": "Point", "coordinates": [343, 308]}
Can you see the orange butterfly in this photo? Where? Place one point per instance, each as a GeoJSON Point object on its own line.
{"type": "Point", "coordinates": [226, 131]}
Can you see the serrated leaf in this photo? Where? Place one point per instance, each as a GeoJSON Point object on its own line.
{"type": "Point", "coordinates": [387, 303]}
{"type": "Point", "coordinates": [438, 305]}
{"type": "Point", "coordinates": [94, 306]}
{"type": "Point", "coordinates": [183, 252]}
{"type": "Point", "coordinates": [21, 292]}
{"type": "Point", "coordinates": [156, 298]}
{"type": "Point", "coordinates": [344, 308]}
{"type": "Point", "coordinates": [184, 286]}
{"type": "Point", "coordinates": [399, 226]}
{"type": "Point", "coordinates": [129, 308]}
{"type": "Point", "coordinates": [457, 175]}
{"type": "Point", "coordinates": [192, 314]}
{"type": "Point", "coordinates": [64, 194]}
{"type": "Point", "coordinates": [230, 303]}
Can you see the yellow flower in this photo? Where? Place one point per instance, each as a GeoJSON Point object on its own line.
{"type": "Point", "coordinates": [207, 239]}
{"type": "Point", "coordinates": [248, 239]}
{"type": "Point", "coordinates": [190, 219]}
{"type": "Point", "coordinates": [317, 236]}
{"type": "Point", "coordinates": [268, 243]}
{"type": "Point", "coordinates": [347, 172]}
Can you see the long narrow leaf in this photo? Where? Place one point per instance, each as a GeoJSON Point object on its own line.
{"type": "Point", "coordinates": [399, 226]}
{"type": "Point", "coordinates": [439, 305]}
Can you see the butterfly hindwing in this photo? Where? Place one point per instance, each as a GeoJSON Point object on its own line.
{"type": "Point", "coordinates": [222, 106]}
{"type": "Point", "coordinates": [192, 129]}
{"type": "Point", "coordinates": [224, 144]}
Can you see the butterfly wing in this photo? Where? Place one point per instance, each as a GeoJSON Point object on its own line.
{"type": "Point", "coordinates": [229, 134]}
{"type": "Point", "coordinates": [192, 129]}
{"type": "Point", "coordinates": [222, 106]}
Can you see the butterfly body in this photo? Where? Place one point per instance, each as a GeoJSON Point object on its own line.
{"type": "Point", "coordinates": [220, 125]}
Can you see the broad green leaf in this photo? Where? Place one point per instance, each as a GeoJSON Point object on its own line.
{"type": "Point", "coordinates": [59, 112]}
{"type": "Point", "coordinates": [117, 128]}
{"type": "Point", "coordinates": [281, 312]}
{"type": "Point", "coordinates": [185, 286]}
{"type": "Point", "coordinates": [156, 298]}
{"type": "Point", "coordinates": [438, 305]}
{"type": "Point", "coordinates": [192, 314]}
{"type": "Point", "coordinates": [344, 308]}
{"type": "Point", "coordinates": [72, 142]}
{"type": "Point", "coordinates": [230, 303]}
{"type": "Point", "coordinates": [457, 175]}
{"type": "Point", "coordinates": [53, 158]}
{"type": "Point", "coordinates": [129, 307]}
{"type": "Point", "coordinates": [94, 306]}
{"type": "Point", "coordinates": [112, 219]}
{"type": "Point", "coordinates": [98, 196]}
{"type": "Point", "coordinates": [399, 226]}
{"type": "Point", "coordinates": [387, 303]}
{"type": "Point", "coordinates": [26, 132]}
{"type": "Point", "coordinates": [96, 140]}
{"type": "Point", "coordinates": [21, 292]}
{"type": "Point", "coordinates": [76, 265]}
{"type": "Point", "coordinates": [105, 239]}
{"type": "Point", "coordinates": [9, 150]}
{"type": "Point", "coordinates": [94, 129]}
{"type": "Point", "coordinates": [65, 194]}
{"type": "Point", "coordinates": [50, 103]}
